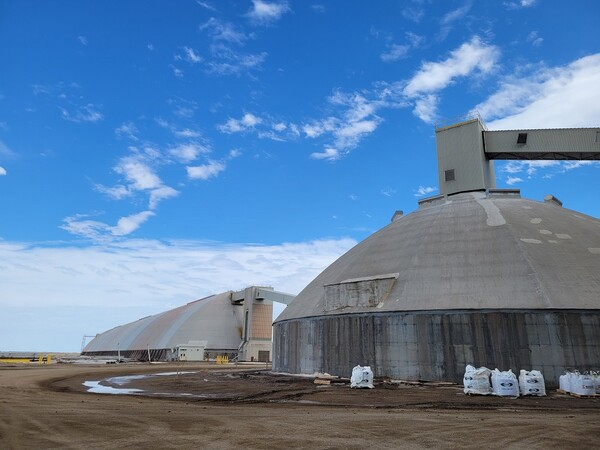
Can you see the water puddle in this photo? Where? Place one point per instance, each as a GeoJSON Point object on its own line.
{"type": "Point", "coordinates": [107, 386]}
{"type": "Point", "coordinates": [95, 387]}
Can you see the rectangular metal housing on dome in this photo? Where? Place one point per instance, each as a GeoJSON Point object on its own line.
{"type": "Point", "coordinates": [466, 151]}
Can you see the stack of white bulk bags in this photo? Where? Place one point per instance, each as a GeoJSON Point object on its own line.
{"type": "Point", "coordinates": [579, 383]}
{"type": "Point", "coordinates": [532, 383]}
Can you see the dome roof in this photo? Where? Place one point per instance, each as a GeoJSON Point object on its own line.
{"type": "Point", "coordinates": [212, 319]}
{"type": "Point", "coordinates": [470, 251]}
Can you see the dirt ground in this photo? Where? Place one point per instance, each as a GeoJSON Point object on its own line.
{"type": "Point", "coordinates": [229, 407]}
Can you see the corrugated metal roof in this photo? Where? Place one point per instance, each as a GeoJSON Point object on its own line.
{"type": "Point", "coordinates": [214, 319]}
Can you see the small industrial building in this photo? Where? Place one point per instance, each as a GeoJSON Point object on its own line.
{"type": "Point", "coordinates": [236, 324]}
{"type": "Point", "coordinates": [476, 275]}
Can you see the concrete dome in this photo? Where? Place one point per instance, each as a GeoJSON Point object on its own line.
{"type": "Point", "coordinates": [488, 279]}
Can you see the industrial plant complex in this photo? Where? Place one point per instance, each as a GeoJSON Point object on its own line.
{"type": "Point", "coordinates": [476, 275]}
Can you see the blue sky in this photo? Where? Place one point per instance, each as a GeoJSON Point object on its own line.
{"type": "Point", "coordinates": [153, 153]}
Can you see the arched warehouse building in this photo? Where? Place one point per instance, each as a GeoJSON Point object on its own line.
{"type": "Point", "coordinates": [476, 275]}
{"type": "Point", "coordinates": [233, 323]}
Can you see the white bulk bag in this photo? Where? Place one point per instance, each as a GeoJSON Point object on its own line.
{"type": "Point", "coordinates": [582, 384]}
{"type": "Point", "coordinates": [532, 383]}
{"type": "Point", "coordinates": [477, 381]}
{"type": "Point", "coordinates": [362, 377]}
{"type": "Point", "coordinates": [505, 383]}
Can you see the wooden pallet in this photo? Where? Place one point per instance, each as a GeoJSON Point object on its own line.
{"type": "Point", "coordinates": [584, 396]}
{"type": "Point", "coordinates": [573, 394]}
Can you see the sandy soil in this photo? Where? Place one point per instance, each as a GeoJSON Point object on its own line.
{"type": "Point", "coordinates": [231, 407]}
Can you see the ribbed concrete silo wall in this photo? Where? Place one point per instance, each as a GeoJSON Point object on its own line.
{"type": "Point", "coordinates": [437, 345]}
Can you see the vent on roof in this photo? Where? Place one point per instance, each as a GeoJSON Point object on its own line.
{"type": "Point", "coordinates": [552, 199]}
{"type": "Point", "coordinates": [522, 139]}
{"type": "Point", "coordinates": [397, 215]}
{"type": "Point", "coordinates": [449, 175]}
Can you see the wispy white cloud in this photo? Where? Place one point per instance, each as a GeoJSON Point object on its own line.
{"type": "Point", "coordinates": [206, 5]}
{"type": "Point", "coordinates": [224, 58]}
{"type": "Point", "coordinates": [456, 14]}
{"type": "Point", "coordinates": [176, 71]}
{"type": "Point", "coordinates": [127, 130]}
{"type": "Point", "coordinates": [329, 154]}
{"type": "Point", "coordinates": [128, 224]}
{"type": "Point", "coordinates": [139, 177]}
{"type": "Point", "coordinates": [82, 40]}
{"type": "Point", "coordinates": [223, 31]}
{"type": "Point", "coordinates": [188, 152]}
{"type": "Point", "coordinates": [520, 4]}
{"type": "Point", "coordinates": [2, 171]}
{"type": "Point", "coordinates": [189, 55]}
{"type": "Point", "coordinates": [317, 128]}
{"type": "Point", "coordinates": [247, 121]}
{"type": "Point", "coordinates": [183, 108]}
{"type": "Point", "coordinates": [545, 169]}
{"type": "Point", "coordinates": [181, 133]}
{"type": "Point", "coordinates": [230, 62]}
{"type": "Point", "coordinates": [471, 57]}
{"type": "Point", "coordinates": [79, 225]}
{"type": "Point", "coordinates": [87, 113]}
{"type": "Point", "coordinates": [265, 13]}
{"type": "Point", "coordinates": [137, 173]}
{"type": "Point", "coordinates": [187, 133]}
{"type": "Point", "coordinates": [161, 193]}
{"type": "Point", "coordinates": [395, 52]}
{"type": "Point", "coordinates": [426, 108]}
{"type": "Point", "coordinates": [570, 165]}
{"type": "Point", "coordinates": [529, 167]}
{"type": "Point", "coordinates": [425, 190]}
{"type": "Point", "coordinates": [263, 127]}
{"type": "Point", "coordinates": [414, 12]}
{"type": "Point", "coordinates": [69, 100]}
{"type": "Point", "coordinates": [388, 191]}
{"type": "Point", "coordinates": [535, 39]}
{"type": "Point", "coordinates": [450, 18]}
{"type": "Point", "coordinates": [548, 97]}
{"type": "Point", "coordinates": [116, 192]}
{"type": "Point", "coordinates": [350, 134]}
{"type": "Point", "coordinates": [357, 119]}
{"type": "Point", "coordinates": [205, 171]}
